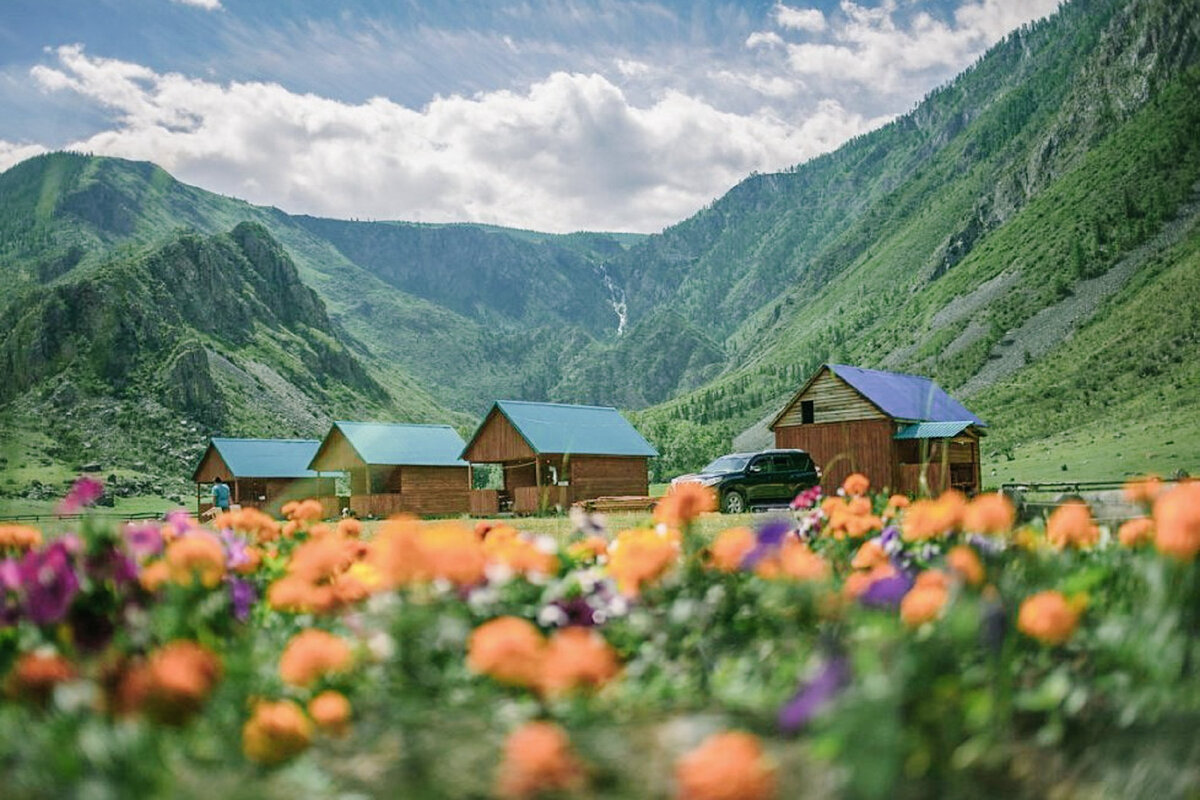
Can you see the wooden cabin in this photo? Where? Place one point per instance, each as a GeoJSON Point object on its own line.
{"type": "Point", "coordinates": [556, 455]}
{"type": "Point", "coordinates": [896, 429]}
{"type": "Point", "coordinates": [397, 467]}
{"type": "Point", "coordinates": [263, 474]}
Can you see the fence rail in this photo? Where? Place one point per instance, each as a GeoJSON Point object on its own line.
{"type": "Point", "coordinates": [69, 517]}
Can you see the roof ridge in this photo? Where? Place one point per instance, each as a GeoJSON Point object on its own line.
{"type": "Point", "coordinates": [395, 424]}
{"type": "Point", "coordinates": [885, 372]}
{"type": "Point", "coordinates": [557, 405]}
{"type": "Point", "coordinates": [258, 439]}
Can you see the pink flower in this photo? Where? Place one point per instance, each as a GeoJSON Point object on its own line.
{"type": "Point", "coordinates": [84, 493]}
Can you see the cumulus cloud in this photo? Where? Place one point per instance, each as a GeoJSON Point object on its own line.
{"type": "Point", "coordinates": [207, 5]}
{"type": "Point", "coordinates": [764, 39]}
{"type": "Point", "coordinates": [570, 152]}
{"type": "Point", "coordinates": [871, 47]}
{"type": "Point", "coordinates": [14, 152]}
{"type": "Point", "coordinates": [801, 19]}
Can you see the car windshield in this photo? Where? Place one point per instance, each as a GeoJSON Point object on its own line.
{"type": "Point", "coordinates": [727, 464]}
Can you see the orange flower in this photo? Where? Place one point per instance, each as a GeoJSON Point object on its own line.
{"type": "Point", "coordinates": [869, 554]}
{"type": "Point", "coordinates": [991, 514]}
{"type": "Point", "coordinates": [1136, 532]}
{"type": "Point", "coordinates": [276, 732]}
{"type": "Point", "coordinates": [252, 521]}
{"type": "Point", "coordinates": [726, 766]}
{"type": "Point", "coordinates": [181, 675]}
{"type": "Point", "coordinates": [898, 501]}
{"type": "Point", "coordinates": [589, 549]}
{"type": "Point", "coordinates": [19, 537]}
{"type": "Point", "coordinates": [856, 484]}
{"type": "Point", "coordinates": [154, 575]}
{"type": "Point", "coordinates": [730, 547]}
{"type": "Point", "coordinates": [538, 759]}
{"type": "Point", "coordinates": [35, 675]}
{"type": "Point", "coordinates": [321, 559]}
{"type": "Point", "coordinates": [964, 562]}
{"type": "Point", "coordinates": [1144, 490]}
{"type": "Point", "coordinates": [1048, 617]}
{"type": "Point", "coordinates": [1177, 521]}
{"type": "Point", "coordinates": [451, 551]}
{"type": "Point", "coordinates": [350, 528]}
{"type": "Point", "coordinates": [1070, 525]}
{"type": "Point", "coordinates": [508, 649]}
{"type": "Point", "coordinates": [798, 562]}
{"type": "Point", "coordinates": [925, 601]}
{"type": "Point", "coordinates": [304, 511]}
{"type": "Point", "coordinates": [929, 519]}
{"type": "Point", "coordinates": [683, 503]}
{"type": "Point", "coordinates": [312, 654]}
{"type": "Point", "coordinates": [331, 711]}
{"type": "Point", "coordinates": [505, 545]}
{"type": "Point", "coordinates": [859, 581]}
{"type": "Point", "coordinates": [577, 658]}
{"type": "Point", "coordinates": [199, 556]}
{"type": "Point", "coordinates": [641, 555]}
{"type": "Point", "coordinates": [396, 553]}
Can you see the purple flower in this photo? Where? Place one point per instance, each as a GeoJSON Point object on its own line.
{"type": "Point", "coordinates": [83, 493]}
{"type": "Point", "coordinates": [144, 540]}
{"type": "Point", "coordinates": [242, 594]}
{"type": "Point", "coordinates": [887, 592]}
{"type": "Point", "coordinates": [180, 520]}
{"type": "Point", "coordinates": [993, 625]}
{"type": "Point", "coordinates": [235, 550]}
{"type": "Point", "coordinates": [815, 695]}
{"type": "Point", "coordinates": [770, 536]}
{"type": "Point", "coordinates": [111, 565]}
{"type": "Point", "coordinates": [986, 545]}
{"type": "Point", "coordinates": [50, 583]}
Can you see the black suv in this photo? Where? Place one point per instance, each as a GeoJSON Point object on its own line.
{"type": "Point", "coordinates": [744, 480]}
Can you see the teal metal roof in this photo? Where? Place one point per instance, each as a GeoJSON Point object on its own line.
{"type": "Point", "coordinates": [586, 430]}
{"type": "Point", "coordinates": [404, 443]}
{"type": "Point", "coordinates": [267, 458]}
{"type": "Point", "coordinates": [933, 430]}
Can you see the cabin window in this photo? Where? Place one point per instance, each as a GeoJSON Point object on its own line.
{"type": "Point", "coordinates": [807, 412]}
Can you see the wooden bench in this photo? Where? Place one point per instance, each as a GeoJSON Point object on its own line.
{"type": "Point", "coordinates": [624, 503]}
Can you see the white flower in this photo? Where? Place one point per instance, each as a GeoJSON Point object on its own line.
{"type": "Point", "coordinates": [381, 646]}
{"type": "Point", "coordinates": [552, 617]}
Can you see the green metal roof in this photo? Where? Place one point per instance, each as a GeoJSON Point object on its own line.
{"type": "Point", "coordinates": [267, 458]}
{"type": "Point", "coordinates": [404, 443]}
{"type": "Point", "coordinates": [933, 430]}
{"type": "Point", "coordinates": [586, 430]}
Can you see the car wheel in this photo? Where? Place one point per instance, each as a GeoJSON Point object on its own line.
{"type": "Point", "coordinates": [734, 502]}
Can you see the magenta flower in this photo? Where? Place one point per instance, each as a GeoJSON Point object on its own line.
{"type": "Point", "coordinates": [84, 493]}
{"type": "Point", "coordinates": [144, 540]}
{"type": "Point", "coordinates": [10, 585]}
{"type": "Point", "coordinates": [49, 582]}
{"type": "Point", "coordinates": [181, 521]}
{"type": "Point", "coordinates": [242, 594]}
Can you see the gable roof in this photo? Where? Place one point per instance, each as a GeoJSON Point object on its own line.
{"type": "Point", "coordinates": [905, 396]}
{"type": "Point", "coordinates": [266, 458]}
{"type": "Point", "coordinates": [403, 443]}
{"type": "Point", "coordinates": [900, 396]}
{"type": "Point", "coordinates": [583, 430]}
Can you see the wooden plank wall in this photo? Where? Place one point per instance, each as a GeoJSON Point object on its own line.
{"type": "Point", "coordinates": [529, 499]}
{"type": "Point", "coordinates": [840, 448]}
{"type": "Point", "coordinates": [436, 490]}
{"type": "Point", "coordinates": [484, 502]}
{"type": "Point", "coordinates": [497, 440]}
{"type": "Point", "coordinates": [834, 400]}
{"type": "Point", "coordinates": [212, 466]}
{"type": "Point", "coordinates": [608, 476]}
{"type": "Point", "coordinates": [335, 454]}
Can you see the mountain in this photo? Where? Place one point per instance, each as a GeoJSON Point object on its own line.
{"type": "Point", "coordinates": [1015, 209]}
{"type": "Point", "coordinates": [997, 237]}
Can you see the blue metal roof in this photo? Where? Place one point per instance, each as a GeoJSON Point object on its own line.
{"type": "Point", "coordinates": [933, 430]}
{"type": "Point", "coordinates": [586, 430]}
{"type": "Point", "coordinates": [907, 397]}
{"type": "Point", "coordinates": [404, 443]}
{"type": "Point", "coordinates": [267, 458]}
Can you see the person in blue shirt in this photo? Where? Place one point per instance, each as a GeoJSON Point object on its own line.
{"type": "Point", "coordinates": [220, 495]}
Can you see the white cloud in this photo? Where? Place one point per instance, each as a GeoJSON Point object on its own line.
{"type": "Point", "coordinates": [866, 45]}
{"type": "Point", "coordinates": [572, 152]}
{"type": "Point", "coordinates": [801, 19]}
{"type": "Point", "coordinates": [207, 5]}
{"type": "Point", "coordinates": [14, 153]}
{"type": "Point", "coordinates": [764, 39]}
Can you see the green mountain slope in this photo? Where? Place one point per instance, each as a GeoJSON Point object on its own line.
{"type": "Point", "coordinates": [1085, 149]}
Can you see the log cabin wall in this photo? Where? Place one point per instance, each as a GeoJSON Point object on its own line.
{"type": "Point", "coordinates": [212, 466]}
{"type": "Point", "coordinates": [833, 400]}
{"type": "Point", "coordinates": [435, 490]}
{"type": "Point", "coordinates": [608, 476]}
{"type": "Point", "coordinates": [840, 448]}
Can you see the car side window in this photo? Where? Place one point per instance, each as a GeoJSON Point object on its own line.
{"type": "Point", "coordinates": [802, 462]}
{"type": "Point", "coordinates": [777, 464]}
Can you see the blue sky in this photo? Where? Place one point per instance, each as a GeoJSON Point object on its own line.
{"type": "Point", "coordinates": [554, 115]}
